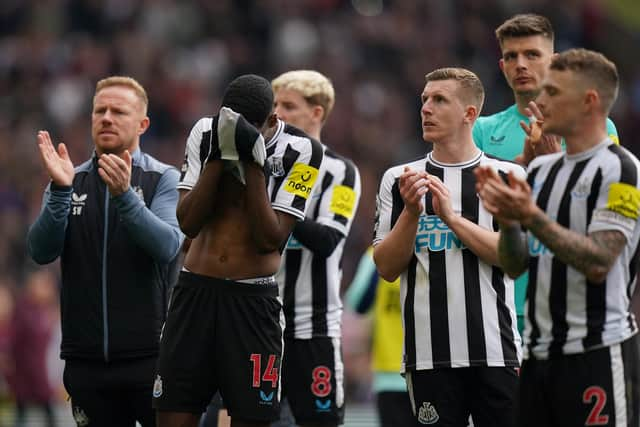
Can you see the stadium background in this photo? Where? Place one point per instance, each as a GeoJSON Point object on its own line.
{"type": "Point", "coordinates": [185, 52]}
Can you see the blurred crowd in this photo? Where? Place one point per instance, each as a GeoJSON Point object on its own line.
{"type": "Point", "coordinates": [185, 52]}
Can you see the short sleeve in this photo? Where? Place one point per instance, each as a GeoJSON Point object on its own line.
{"type": "Point", "coordinates": [339, 202]}
{"type": "Point", "coordinates": [200, 135]}
{"type": "Point", "coordinates": [384, 207]}
{"type": "Point", "coordinates": [297, 171]}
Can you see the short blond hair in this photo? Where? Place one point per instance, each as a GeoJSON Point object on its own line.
{"type": "Point", "coordinates": [125, 81]}
{"type": "Point", "coordinates": [471, 88]}
{"type": "Point", "coordinates": [594, 69]}
{"type": "Point", "coordinates": [314, 87]}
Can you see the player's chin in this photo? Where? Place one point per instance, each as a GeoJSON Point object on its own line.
{"type": "Point", "coordinates": [429, 134]}
{"type": "Point", "coordinates": [549, 127]}
{"type": "Point", "coordinates": [109, 144]}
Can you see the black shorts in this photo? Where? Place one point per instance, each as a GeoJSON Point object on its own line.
{"type": "Point", "coordinates": [222, 336]}
{"type": "Point", "coordinates": [394, 409]}
{"type": "Point", "coordinates": [596, 388]}
{"type": "Point", "coordinates": [448, 396]}
{"type": "Point", "coordinates": [313, 380]}
{"type": "Point", "coordinates": [110, 394]}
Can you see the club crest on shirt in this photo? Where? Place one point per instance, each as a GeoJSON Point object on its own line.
{"type": "Point", "coordinates": [428, 414]}
{"type": "Point", "coordinates": [275, 166]}
{"type": "Point", "coordinates": [581, 190]}
{"type": "Point", "coordinates": [80, 417]}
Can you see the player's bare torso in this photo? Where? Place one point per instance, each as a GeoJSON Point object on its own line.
{"type": "Point", "coordinates": [225, 248]}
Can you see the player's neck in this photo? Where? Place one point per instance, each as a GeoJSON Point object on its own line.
{"type": "Point", "coordinates": [453, 151]}
{"type": "Point", "coordinates": [523, 98]}
{"type": "Point", "coordinates": [586, 135]}
{"type": "Point", "coordinates": [313, 132]}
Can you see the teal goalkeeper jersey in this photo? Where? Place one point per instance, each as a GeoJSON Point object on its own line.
{"type": "Point", "coordinates": [500, 135]}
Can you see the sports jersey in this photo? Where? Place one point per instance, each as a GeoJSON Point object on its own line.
{"type": "Point", "coordinates": [457, 310]}
{"type": "Point", "coordinates": [292, 165]}
{"type": "Point", "coordinates": [595, 190]}
{"type": "Point", "coordinates": [310, 283]}
{"type": "Point", "coordinates": [500, 135]}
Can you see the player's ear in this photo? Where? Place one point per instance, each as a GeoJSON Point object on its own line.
{"type": "Point", "coordinates": [144, 125]}
{"type": "Point", "coordinates": [318, 112]}
{"type": "Point", "coordinates": [470, 113]}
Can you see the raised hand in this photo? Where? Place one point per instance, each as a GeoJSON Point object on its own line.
{"type": "Point", "coordinates": [413, 185]}
{"type": "Point", "coordinates": [115, 172]}
{"type": "Point", "coordinates": [57, 163]}
{"type": "Point", "coordinates": [536, 142]}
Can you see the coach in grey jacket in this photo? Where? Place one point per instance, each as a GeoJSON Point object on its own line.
{"type": "Point", "coordinates": [112, 221]}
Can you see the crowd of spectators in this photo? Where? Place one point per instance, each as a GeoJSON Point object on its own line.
{"type": "Point", "coordinates": [376, 52]}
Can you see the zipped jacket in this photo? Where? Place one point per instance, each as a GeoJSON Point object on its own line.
{"type": "Point", "coordinates": [118, 258]}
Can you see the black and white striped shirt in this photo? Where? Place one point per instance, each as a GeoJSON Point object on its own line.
{"type": "Point", "coordinates": [591, 191]}
{"type": "Point", "coordinates": [292, 165]}
{"type": "Point", "coordinates": [310, 283]}
{"type": "Point", "coordinates": [457, 310]}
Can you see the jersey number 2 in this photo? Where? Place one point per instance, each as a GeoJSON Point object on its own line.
{"type": "Point", "coordinates": [600, 396]}
{"type": "Point", "coordinates": [270, 373]}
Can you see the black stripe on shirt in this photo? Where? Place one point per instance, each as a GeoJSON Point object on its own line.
{"type": "Point", "coordinates": [292, 270]}
{"type": "Point", "coordinates": [596, 292]}
{"type": "Point", "coordinates": [438, 302]}
{"type": "Point", "coordinates": [288, 159]}
{"type": "Point", "coordinates": [326, 182]}
{"type": "Point", "coordinates": [397, 203]}
{"type": "Point", "coordinates": [205, 146]}
{"type": "Point", "coordinates": [558, 288]}
{"type": "Point", "coordinates": [509, 350]}
{"type": "Point", "coordinates": [531, 285]}
{"type": "Point", "coordinates": [409, 317]}
{"type": "Point", "coordinates": [473, 300]}
{"type": "Point", "coordinates": [319, 296]}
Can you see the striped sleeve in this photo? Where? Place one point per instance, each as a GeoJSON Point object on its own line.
{"type": "Point", "coordinates": [196, 152]}
{"type": "Point", "coordinates": [301, 160]}
{"type": "Point", "coordinates": [384, 206]}
{"type": "Point", "coordinates": [618, 203]}
{"type": "Point", "coordinates": [339, 201]}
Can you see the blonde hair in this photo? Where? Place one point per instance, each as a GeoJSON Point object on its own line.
{"type": "Point", "coordinates": [471, 87]}
{"type": "Point", "coordinates": [314, 87]}
{"type": "Point", "coordinates": [125, 81]}
{"type": "Point", "coordinates": [594, 68]}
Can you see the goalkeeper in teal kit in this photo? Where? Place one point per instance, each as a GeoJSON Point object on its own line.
{"type": "Point", "coordinates": [526, 44]}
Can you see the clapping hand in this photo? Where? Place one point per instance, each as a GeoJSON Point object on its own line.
{"type": "Point", "coordinates": [115, 172]}
{"type": "Point", "coordinates": [57, 162]}
{"type": "Point", "coordinates": [413, 185]}
{"type": "Point", "coordinates": [507, 201]}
